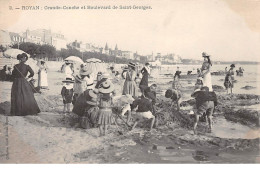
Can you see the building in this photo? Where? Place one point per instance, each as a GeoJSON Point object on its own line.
{"type": "Point", "coordinates": [44, 36]}
{"type": "Point", "coordinates": [5, 39]}
{"type": "Point", "coordinates": [127, 55]}
{"type": "Point", "coordinates": [16, 38]}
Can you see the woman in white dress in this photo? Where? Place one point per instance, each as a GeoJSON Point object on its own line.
{"type": "Point", "coordinates": [205, 71]}
{"type": "Point", "coordinates": [42, 75]}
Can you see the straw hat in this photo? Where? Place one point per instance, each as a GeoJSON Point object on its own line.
{"type": "Point", "coordinates": [68, 80]}
{"type": "Point", "coordinates": [204, 54]}
{"type": "Point", "coordinates": [131, 64]}
{"type": "Point", "coordinates": [92, 102]}
{"type": "Point", "coordinates": [106, 87]}
{"type": "Point", "coordinates": [92, 93]}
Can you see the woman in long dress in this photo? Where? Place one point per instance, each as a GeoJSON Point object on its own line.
{"type": "Point", "coordinates": [42, 75]}
{"type": "Point", "coordinates": [22, 98]}
{"type": "Point", "coordinates": [145, 74]}
{"type": "Point", "coordinates": [205, 71]}
{"type": "Point", "coordinates": [130, 84]}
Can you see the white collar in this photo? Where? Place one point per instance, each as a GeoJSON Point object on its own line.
{"type": "Point", "coordinates": [147, 69]}
{"type": "Point", "coordinates": [70, 86]}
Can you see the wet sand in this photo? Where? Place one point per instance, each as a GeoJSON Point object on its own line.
{"type": "Point", "coordinates": [51, 137]}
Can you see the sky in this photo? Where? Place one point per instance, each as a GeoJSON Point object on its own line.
{"type": "Point", "coordinates": [228, 30]}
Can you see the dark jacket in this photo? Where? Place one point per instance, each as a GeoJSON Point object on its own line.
{"type": "Point", "coordinates": [144, 105]}
{"type": "Point", "coordinates": [203, 96]}
{"type": "Point", "coordinates": [150, 94]}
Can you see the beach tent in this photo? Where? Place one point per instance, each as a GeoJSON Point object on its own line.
{"type": "Point", "coordinates": [96, 65]}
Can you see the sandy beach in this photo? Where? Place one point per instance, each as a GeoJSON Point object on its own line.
{"type": "Point", "coordinates": [51, 137]}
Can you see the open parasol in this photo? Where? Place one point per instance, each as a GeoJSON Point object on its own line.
{"type": "Point", "coordinates": [12, 53]}
{"type": "Point", "coordinates": [74, 59]}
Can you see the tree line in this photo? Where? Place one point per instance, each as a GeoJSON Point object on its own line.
{"type": "Point", "coordinates": [48, 52]}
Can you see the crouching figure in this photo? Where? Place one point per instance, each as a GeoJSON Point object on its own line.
{"type": "Point", "coordinates": [205, 104]}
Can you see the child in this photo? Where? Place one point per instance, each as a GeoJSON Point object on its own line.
{"type": "Point", "coordinates": [175, 96]}
{"type": "Point", "coordinates": [144, 110]}
{"type": "Point", "coordinates": [105, 106]}
{"type": "Point", "coordinates": [67, 93]}
{"type": "Point", "coordinates": [199, 83]}
{"type": "Point", "coordinates": [205, 103]}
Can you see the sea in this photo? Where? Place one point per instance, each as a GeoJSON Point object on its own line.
{"type": "Point", "coordinates": [250, 78]}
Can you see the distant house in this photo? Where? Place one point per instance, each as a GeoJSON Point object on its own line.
{"type": "Point", "coordinates": [16, 38]}
{"type": "Point", "coordinates": [44, 36]}
{"type": "Point", "coordinates": [128, 55]}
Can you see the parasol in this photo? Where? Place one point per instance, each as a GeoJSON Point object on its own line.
{"type": "Point", "coordinates": [12, 53]}
{"type": "Point", "coordinates": [74, 59]}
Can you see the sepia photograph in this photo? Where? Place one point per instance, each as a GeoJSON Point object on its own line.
{"type": "Point", "coordinates": [130, 82]}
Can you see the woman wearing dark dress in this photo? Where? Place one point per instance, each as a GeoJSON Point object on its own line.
{"type": "Point", "coordinates": [144, 81]}
{"type": "Point", "coordinates": [22, 98]}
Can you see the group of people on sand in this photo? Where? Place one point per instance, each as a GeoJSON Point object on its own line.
{"type": "Point", "coordinates": [92, 95]}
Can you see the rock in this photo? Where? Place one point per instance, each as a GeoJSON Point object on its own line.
{"type": "Point", "coordinates": [248, 87]}
{"type": "Point", "coordinates": [218, 88]}
{"type": "Point", "coordinates": [218, 73]}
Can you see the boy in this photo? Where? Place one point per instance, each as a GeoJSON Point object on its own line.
{"type": "Point", "coordinates": [144, 110]}
{"type": "Point", "coordinates": [175, 96]}
{"type": "Point", "coordinates": [67, 93]}
{"type": "Point", "coordinates": [205, 103]}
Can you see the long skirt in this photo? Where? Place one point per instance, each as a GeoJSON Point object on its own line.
{"type": "Point", "coordinates": [105, 116]}
{"type": "Point", "coordinates": [42, 79]}
{"type": "Point", "coordinates": [207, 81]}
{"type": "Point", "coordinates": [130, 88]}
{"type": "Point", "coordinates": [22, 99]}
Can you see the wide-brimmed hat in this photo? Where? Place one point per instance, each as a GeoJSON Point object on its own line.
{"type": "Point", "coordinates": [92, 93]}
{"type": "Point", "coordinates": [68, 80]}
{"type": "Point", "coordinates": [92, 102]}
{"type": "Point", "coordinates": [204, 54]}
{"type": "Point", "coordinates": [147, 64]}
{"type": "Point", "coordinates": [106, 87]}
{"type": "Point", "coordinates": [85, 73]}
{"type": "Point", "coordinates": [131, 64]}
{"type": "Point", "coordinates": [232, 65]}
